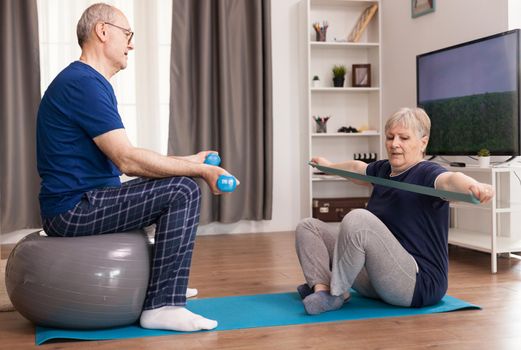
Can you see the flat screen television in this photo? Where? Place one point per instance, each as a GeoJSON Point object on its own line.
{"type": "Point", "coordinates": [471, 93]}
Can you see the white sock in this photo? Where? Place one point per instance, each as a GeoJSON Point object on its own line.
{"type": "Point", "coordinates": [191, 292]}
{"type": "Point", "coordinates": [175, 318]}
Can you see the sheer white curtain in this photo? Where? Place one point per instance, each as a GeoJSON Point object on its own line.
{"type": "Point", "coordinates": [143, 88]}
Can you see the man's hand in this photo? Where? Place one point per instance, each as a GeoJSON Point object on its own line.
{"type": "Point", "coordinates": [196, 158]}
{"type": "Point", "coordinates": [211, 174]}
{"type": "Point", "coordinates": [134, 161]}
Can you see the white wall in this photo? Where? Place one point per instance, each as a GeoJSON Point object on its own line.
{"type": "Point", "coordinates": [453, 22]}
{"type": "Point", "coordinates": [514, 14]}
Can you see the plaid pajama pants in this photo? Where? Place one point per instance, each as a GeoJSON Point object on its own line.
{"type": "Point", "coordinates": [171, 203]}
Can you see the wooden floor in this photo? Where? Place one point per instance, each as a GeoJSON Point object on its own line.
{"type": "Point", "coordinates": [266, 263]}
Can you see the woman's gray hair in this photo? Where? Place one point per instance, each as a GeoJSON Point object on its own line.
{"type": "Point", "coordinates": [93, 14]}
{"type": "Point", "coordinates": [412, 118]}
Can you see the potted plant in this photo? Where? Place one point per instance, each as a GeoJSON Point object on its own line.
{"type": "Point", "coordinates": [316, 81]}
{"type": "Point", "coordinates": [339, 73]}
{"type": "Point", "coordinates": [484, 158]}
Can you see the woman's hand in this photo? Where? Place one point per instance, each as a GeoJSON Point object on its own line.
{"type": "Point", "coordinates": [483, 192]}
{"type": "Point", "coordinates": [459, 182]}
{"type": "Point", "coordinates": [321, 161]}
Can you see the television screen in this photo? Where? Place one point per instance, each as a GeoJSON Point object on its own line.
{"type": "Point", "coordinates": [471, 93]}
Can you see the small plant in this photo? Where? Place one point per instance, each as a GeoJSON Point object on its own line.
{"type": "Point", "coordinates": [315, 82]}
{"type": "Point", "coordinates": [483, 153]}
{"type": "Point", "coordinates": [339, 71]}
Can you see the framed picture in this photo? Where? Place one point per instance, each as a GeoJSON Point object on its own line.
{"type": "Point", "coordinates": [422, 7]}
{"type": "Point", "coordinates": [361, 75]}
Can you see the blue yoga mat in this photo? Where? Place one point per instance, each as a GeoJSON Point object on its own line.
{"type": "Point", "coordinates": [262, 310]}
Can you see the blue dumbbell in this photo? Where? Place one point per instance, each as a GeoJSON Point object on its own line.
{"type": "Point", "coordinates": [213, 159]}
{"type": "Point", "coordinates": [226, 183]}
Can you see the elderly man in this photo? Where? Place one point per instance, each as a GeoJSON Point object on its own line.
{"type": "Point", "coordinates": [83, 149]}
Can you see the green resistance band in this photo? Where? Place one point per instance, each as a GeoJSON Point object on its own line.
{"type": "Point", "coordinates": [461, 197]}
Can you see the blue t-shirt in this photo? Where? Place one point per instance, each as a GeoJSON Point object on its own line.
{"type": "Point", "coordinates": [78, 105]}
{"type": "Point", "coordinates": [419, 222]}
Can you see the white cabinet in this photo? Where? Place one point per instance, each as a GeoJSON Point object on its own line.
{"type": "Point", "coordinates": [493, 227]}
{"type": "Point", "coordinates": [348, 106]}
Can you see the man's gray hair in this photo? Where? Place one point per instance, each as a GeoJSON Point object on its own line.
{"type": "Point", "coordinates": [93, 14]}
{"type": "Point", "coordinates": [412, 118]}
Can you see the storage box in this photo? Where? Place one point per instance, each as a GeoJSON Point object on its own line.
{"type": "Point", "coordinates": [334, 209]}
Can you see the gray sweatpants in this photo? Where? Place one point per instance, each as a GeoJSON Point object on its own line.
{"type": "Point", "coordinates": [362, 254]}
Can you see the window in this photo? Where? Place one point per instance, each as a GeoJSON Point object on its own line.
{"type": "Point", "coordinates": [143, 88]}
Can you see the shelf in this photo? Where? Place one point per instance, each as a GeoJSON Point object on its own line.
{"type": "Point", "coordinates": [500, 226]}
{"type": "Point", "coordinates": [476, 169]}
{"type": "Point", "coordinates": [461, 205]}
{"type": "Point", "coordinates": [345, 134]}
{"type": "Point", "coordinates": [359, 106]}
{"type": "Point", "coordinates": [482, 241]}
{"type": "Point", "coordinates": [344, 3]}
{"type": "Point", "coordinates": [318, 178]}
{"type": "Point", "coordinates": [344, 89]}
{"type": "Point", "coordinates": [342, 45]}
{"type": "Point", "coordinates": [501, 207]}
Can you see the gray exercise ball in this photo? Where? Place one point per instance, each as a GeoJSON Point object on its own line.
{"type": "Point", "coordinates": [80, 282]}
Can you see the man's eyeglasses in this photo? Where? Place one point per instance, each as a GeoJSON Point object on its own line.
{"type": "Point", "coordinates": [127, 32]}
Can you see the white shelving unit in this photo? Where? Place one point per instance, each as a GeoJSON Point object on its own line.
{"type": "Point", "coordinates": [501, 235]}
{"type": "Point", "coordinates": [358, 107]}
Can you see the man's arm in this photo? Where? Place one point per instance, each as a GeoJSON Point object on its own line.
{"type": "Point", "coordinates": [459, 182]}
{"type": "Point", "coordinates": [135, 161]}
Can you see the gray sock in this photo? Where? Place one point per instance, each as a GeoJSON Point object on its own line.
{"type": "Point", "coordinates": [322, 301]}
{"type": "Point", "coordinates": [304, 290]}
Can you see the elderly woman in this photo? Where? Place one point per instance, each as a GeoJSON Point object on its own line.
{"type": "Point", "coordinates": [396, 250]}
